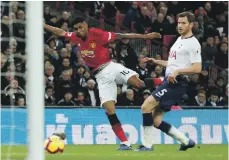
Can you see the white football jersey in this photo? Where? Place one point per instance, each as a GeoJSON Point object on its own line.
{"type": "Point", "coordinates": [183, 53]}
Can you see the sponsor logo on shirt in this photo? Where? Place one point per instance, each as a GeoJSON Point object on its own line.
{"type": "Point", "coordinates": [172, 54]}
{"type": "Point", "coordinates": [87, 53]}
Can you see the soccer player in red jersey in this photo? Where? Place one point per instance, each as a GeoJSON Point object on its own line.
{"type": "Point", "coordinates": [93, 49]}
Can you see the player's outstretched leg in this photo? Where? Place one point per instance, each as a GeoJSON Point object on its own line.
{"type": "Point", "coordinates": [148, 106]}
{"type": "Point", "coordinates": [172, 131]}
{"type": "Point", "coordinates": [116, 125]}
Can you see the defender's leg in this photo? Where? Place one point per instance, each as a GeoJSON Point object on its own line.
{"type": "Point", "coordinates": [171, 130]}
{"type": "Point", "coordinates": [147, 108]}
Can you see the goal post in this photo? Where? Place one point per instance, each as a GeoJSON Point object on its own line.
{"type": "Point", "coordinates": [35, 79]}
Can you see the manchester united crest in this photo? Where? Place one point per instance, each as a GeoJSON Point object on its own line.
{"type": "Point", "coordinates": [92, 44]}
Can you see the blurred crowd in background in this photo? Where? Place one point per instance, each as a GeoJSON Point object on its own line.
{"type": "Point", "coordinates": [69, 81]}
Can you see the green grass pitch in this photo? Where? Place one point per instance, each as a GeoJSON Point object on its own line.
{"type": "Point", "coordinates": [108, 152]}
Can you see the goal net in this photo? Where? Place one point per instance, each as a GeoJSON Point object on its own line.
{"type": "Point", "coordinates": [22, 84]}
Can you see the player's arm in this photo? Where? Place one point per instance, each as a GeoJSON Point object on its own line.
{"type": "Point", "coordinates": [159, 62]}
{"type": "Point", "coordinates": [152, 35]}
{"type": "Point", "coordinates": [196, 60]}
{"type": "Point", "coordinates": [108, 37]}
{"type": "Point", "coordinates": [195, 68]}
{"type": "Point", "coordinates": [57, 31]}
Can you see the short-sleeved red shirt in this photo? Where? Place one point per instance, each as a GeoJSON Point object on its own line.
{"type": "Point", "coordinates": [93, 49]}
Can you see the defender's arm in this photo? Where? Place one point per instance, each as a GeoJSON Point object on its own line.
{"type": "Point", "coordinates": [195, 68]}
{"type": "Point", "coordinates": [159, 62]}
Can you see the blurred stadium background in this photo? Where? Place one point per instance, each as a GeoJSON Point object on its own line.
{"type": "Point", "coordinates": [203, 111]}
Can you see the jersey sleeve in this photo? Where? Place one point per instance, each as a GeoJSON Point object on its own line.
{"type": "Point", "coordinates": [106, 37]}
{"type": "Point", "coordinates": [195, 54]}
{"type": "Point", "coordinates": [70, 36]}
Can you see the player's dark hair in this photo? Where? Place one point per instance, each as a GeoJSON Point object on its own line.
{"type": "Point", "coordinates": [78, 20]}
{"type": "Point", "coordinates": [190, 16]}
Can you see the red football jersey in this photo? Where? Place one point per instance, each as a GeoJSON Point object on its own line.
{"type": "Point", "coordinates": [93, 49]}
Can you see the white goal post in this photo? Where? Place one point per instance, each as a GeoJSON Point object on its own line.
{"type": "Point", "coordinates": [35, 79]}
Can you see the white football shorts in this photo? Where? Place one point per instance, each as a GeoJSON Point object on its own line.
{"type": "Point", "coordinates": [108, 79]}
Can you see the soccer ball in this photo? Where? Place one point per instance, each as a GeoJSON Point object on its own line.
{"type": "Point", "coordinates": [54, 144]}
